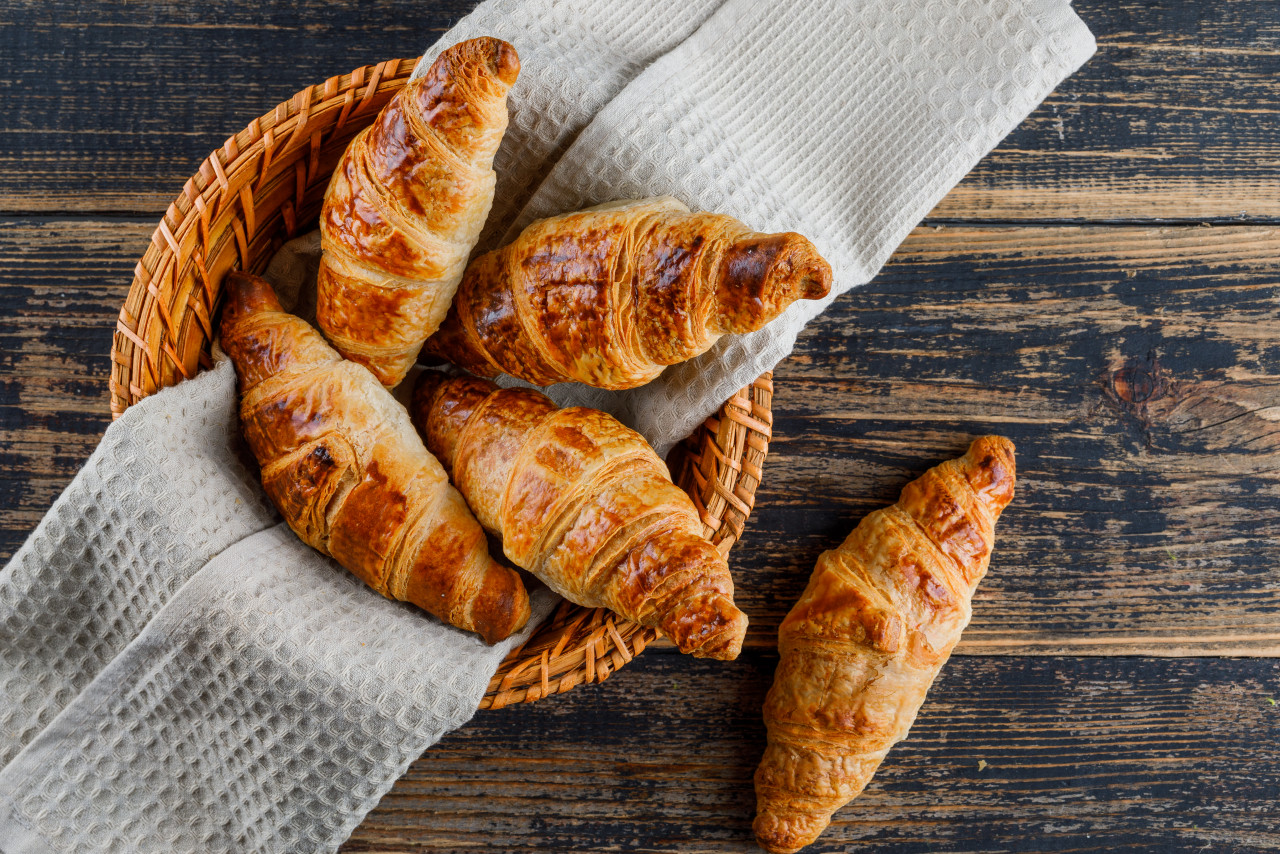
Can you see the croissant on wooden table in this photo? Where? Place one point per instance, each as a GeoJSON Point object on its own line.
{"type": "Point", "coordinates": [406, 205]}
{"type": "Point", "coordinates": [611, 295]}
{"type": "Point", "coordinates": [584, 504]}
{"type": "Point", "coordinates": [868, 636]}
{"type": "Point", "coordinates": [343, 464]}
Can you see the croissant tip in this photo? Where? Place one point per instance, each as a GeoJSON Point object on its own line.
{"type": "Point", "coordinates": [993, 443]}
{"type": "Point", "coordinates": [388, 371]}
{"type": "Point", "coordinates": [762, 275]}
{"type": "Point", "coordinates": [781, 834]}
{"type": "Point", "coordinates": [815, 278]}
{"type": "Point", "coordinates": [725, 643]}
{"type": "Point", "coordinates": [991, 450]}
{"type": "Point", "coordinates": [506, 62]}
{"type": "Point", "coordinates": [244, 294]}
{"type": "Point", "coordinates": [498, 58]}
{"type": "Point", "coordinates": [991, 469]}
{"type": "Point", "coordinates": [727, 651]}
{"type": "Point", "coordinates": [504, 604]}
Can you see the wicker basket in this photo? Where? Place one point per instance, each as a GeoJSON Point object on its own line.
{"type": "Point", "coordinates": [265, 186]}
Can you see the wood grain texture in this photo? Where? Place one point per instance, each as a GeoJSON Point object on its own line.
{"type": "Point", "coordinates": [111, 107]}
{"type": "Point", "coordinates": [62, 283]}
{"type": "Point", "coordinates": [1136, 369]}
{"type": "Point", "coordinates": [1081, 755]}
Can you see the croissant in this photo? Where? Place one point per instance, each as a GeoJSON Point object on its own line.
{"type": "Point", "coordinates": [406, 205]}
{"type": "Point", "coordinates": [342, 463]}
{"type": "Point", "coordinates": [611, 295]}
{"type": "Point", "coordinates": [584, 504]}
{"type": "Point", "coordinates": [867, 638]}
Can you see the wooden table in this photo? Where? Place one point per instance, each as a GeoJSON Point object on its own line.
{"type": "Point", "coordinates": [1102, 289]}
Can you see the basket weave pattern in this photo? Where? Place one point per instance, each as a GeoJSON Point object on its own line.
{"type": "Point", "coordinates": [264, 186]}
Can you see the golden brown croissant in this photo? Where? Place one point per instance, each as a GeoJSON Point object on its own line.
{"type": "Point", "coordinates": [869, 634]}
{"type": "Point", "coordinates": [343, 464]}
{"type": "Point", "coordinates": [585, 504]}
{"type": "Point", "coordinates": [406, 204]}
{"type": "Point", "coordinates": [611, 295]}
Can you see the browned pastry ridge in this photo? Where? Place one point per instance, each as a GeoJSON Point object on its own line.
{"type": "Point", "coordinates": [344, 466]}
{"type": "Point", "coordinates": [611, 295]}
{"type": "Point", "coordinates": [870, 633]}
{"type": "Point", "coordinates": [406, 205]}
{"type": "Point", "coordinates": [585, 504]}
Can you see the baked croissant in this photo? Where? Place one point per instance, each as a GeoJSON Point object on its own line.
{"type": "Point", "coordinates": [869, 634]}
{"type": "Point", "coordinates": [406, 204]}
{"type": "Point", "coordinates": [342, 463]}
{"type": "Point", "coordinates": [585, 504]}
{"type": "Point", "coordinates": [611, 295]}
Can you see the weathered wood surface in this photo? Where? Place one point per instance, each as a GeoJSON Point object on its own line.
{"type": "Point", "coordinates": [110, 107]}
{"type": "Point", "coordinates": [1131, 361]}
{"type": "Point", "coordinates": [1136, 369]}
{"type": "Point", "coordinates": [1082, 754]}
{"type": "Point", "coordinates": [62, 283]}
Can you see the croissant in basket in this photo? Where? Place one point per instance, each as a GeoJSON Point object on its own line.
{"type": "Point", "coordinates": [585, 504]}
{"type": "Point", "coordinates": [406, 205]}
{"type": "Point", "coordinates": [611, 295]}
{"type": "Point", "coordinates": [870, 633]}
{"type": "Point", "coordinates": [342, 463]}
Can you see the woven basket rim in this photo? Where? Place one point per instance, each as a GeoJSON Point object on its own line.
{"type": "Point", "coordinates": [259, 189]}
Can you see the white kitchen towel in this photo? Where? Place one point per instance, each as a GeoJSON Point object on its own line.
{"type": "Point", "coordinates": [179, 674]}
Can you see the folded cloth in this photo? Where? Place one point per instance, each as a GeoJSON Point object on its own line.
{"type": "Point", "coordinates": [178, 673]}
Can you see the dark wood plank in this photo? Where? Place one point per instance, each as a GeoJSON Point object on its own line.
{"type": "Point", "coordinates": [1081, 755]}
{"type": "Point", "coordinates": [62, 283]}
{"type": "Point", "coordinates": [1136, 369]}
{"type": "Point", "coordinates": [110, 107]}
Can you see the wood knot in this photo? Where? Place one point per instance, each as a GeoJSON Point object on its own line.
{"type": "Point", "coordinates": [1140, 381]}
{"type": "Point", "coordinates": [1139, 388]}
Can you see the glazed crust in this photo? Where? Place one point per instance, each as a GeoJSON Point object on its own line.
{"type": "Point", "coordinates": [870, 633]}
{"type": "Point", "coordinates": [342, 463]}
{"type": "Point", "coordinates": [611, 295]}
{"type": "Point", "coordinates": [585, 504]}
{"type": "Point", "coordinates": [406, 205]}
